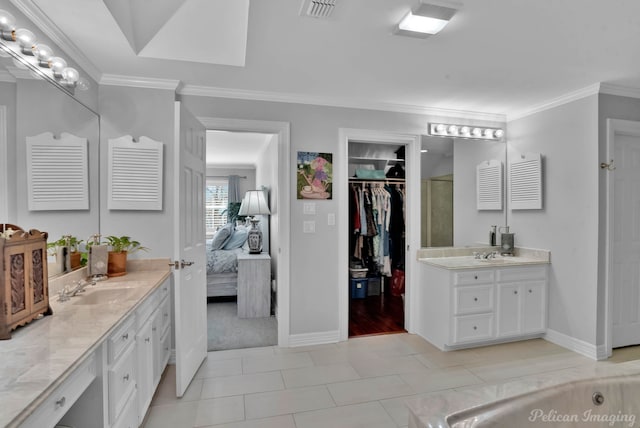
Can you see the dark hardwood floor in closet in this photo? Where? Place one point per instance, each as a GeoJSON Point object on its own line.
{"type": "Point", "coordinates": [376, 315]}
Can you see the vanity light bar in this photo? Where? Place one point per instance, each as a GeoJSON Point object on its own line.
{"type": "Point", "coordinates": [29, 51]}
{"type": "Point", "coordinates": [465, 131]}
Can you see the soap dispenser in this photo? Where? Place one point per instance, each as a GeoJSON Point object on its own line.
{"type": "Point", "coordinates": [492, 236]}
{"type": "Point", "coordinates": [506, 241]}
{"type": "Point", "coordinates": [98, 259]}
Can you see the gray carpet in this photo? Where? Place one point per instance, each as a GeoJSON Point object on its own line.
{"type": "Point", "coordinates": [227, 331]}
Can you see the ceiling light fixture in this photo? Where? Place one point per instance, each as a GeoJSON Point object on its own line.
{"type": "Point", "coordinates": [464, 131]}
{"type": "Point", "coordinates": [29, 51]}
{"type": "Point", "coordinates": [427, 19]}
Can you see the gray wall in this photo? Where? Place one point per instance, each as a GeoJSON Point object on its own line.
{"type": "Point", "coordinates": [567, 137]}
{"type": "Point", "coordinates": [8, 190]}
{"type": "Point", "coordinates": [315, 279]}
{"type": "Point", "coordinates": [139, 112]}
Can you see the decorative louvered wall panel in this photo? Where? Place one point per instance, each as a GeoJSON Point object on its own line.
{"type": "Point", "coordinates": [489, 179]}
{"type": "Point", "coordinates": [57, 172]}
{"type": "Point", "coordinates": [135, 174]}
{"type": "Point", "coordinates": [525, 177]}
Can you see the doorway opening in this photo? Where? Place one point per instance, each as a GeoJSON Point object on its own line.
{"type": "Point", "coordinates": [377, 237]}
{"type": "Point", "coordinates": [241, 301]}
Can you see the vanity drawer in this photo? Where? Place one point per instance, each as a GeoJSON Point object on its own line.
{"type": "Point", "coordinates": [522, 273]}
{"type": "Point", "coordinates": [122, 382]}
{"type": "Point", "coordinates": [473, 299]}
{"type": "Point", "coordinates": [165, 315]}
{"type": "Point", "coordinates": [58, 403]}
{"type": "Point", "coordinates": [469, 328]}
{"type": "Point", "coordinates": [123, 337]}
{"type": "Point", "coordinates": [145, 310]}
{"type": "Point", "coordinates": [473, 277]}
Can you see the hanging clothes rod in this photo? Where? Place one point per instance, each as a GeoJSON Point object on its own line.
{"type": "Point", "coordinates": [385, 180]}
{"type": "Point", "coordinates": [224, 176]}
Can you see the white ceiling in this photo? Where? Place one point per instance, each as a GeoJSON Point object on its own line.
{"type": "Point", "coordinates": [233, 149]}
{"type": "Point", "coordinates": [495, 56]}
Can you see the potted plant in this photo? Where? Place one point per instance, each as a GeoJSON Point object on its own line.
{"type": "Point", "coordinates": [120, 247]}
{"type": "Point", "coordinates": [73, 244]}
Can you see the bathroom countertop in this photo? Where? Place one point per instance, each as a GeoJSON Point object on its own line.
{"type": "Point", "coordinates": [41, 355]}
{"type": "Point", "coordinates": [462, 257]}
{"type": "Point", "coordinates": [433, 410]}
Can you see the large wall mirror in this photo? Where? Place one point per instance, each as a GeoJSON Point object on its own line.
{"type": "Point", "coordinates": [30, 105]}
{"type": "Point", "coordinates": [449, 215]}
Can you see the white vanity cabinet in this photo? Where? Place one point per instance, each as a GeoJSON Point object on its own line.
{"type": "Point", "coordinates": [469, 307]}
{"type": "Point", "coordinates": [136, 359]}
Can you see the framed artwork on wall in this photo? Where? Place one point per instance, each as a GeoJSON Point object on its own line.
{"type": "Point", "coordinates": [315, 175]}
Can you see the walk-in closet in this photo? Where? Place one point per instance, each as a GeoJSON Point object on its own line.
{"type": "Point", "coordinates": [377, 194]}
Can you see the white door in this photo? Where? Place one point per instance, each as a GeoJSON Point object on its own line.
{"type": "Point", "coordinates": [189, 247]}
{"type": "Point", "coordinates": [625, 250]}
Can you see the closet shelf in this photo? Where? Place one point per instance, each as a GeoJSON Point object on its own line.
{"type": "Point", "coordinates": [381, 180]}
{"type": "Point", "coordinates": [366, 160]}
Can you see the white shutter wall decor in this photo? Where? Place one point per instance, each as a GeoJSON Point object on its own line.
{"type": "Point", "coordinates": [57, 172]}
{"type": "Point", "coordinates": [525, 177]}
{"type": "Point", "coordinates": [135, 174]}
{"type": "Point", "coordinates": [489, 185]}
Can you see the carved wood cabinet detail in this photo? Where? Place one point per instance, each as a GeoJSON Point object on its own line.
{"type": "Point", "coordinates": [24, 289]}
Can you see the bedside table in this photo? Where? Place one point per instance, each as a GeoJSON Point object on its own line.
{"type": "Point", "coordinates": [254, 285]}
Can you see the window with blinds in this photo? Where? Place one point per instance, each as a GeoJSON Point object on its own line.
{"type": "Point", "coordinates": [216, 201]}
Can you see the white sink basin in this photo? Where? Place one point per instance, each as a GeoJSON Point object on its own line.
{"type": "Point", "coordinates": [103, 296]}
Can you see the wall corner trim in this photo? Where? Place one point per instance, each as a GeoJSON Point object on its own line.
{"type": "Point", "coordinates": [318, 338]}
{"type": "Point", "coordinates": [576, 345]}
{"type": "Point", "coordinates": [619, 90]}
{"type": "Point", "coordinates": [555, 102]}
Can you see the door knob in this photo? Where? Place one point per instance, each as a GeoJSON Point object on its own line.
{"type": "Point", "coordinates": [183, 263]}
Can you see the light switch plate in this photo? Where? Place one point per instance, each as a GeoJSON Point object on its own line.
{"type": "Point", "coordinates": [331, 219]}
{"type": "Point", "coordinates": [309, 226]}
{"type": "Point", "coordinates": [309, 208]}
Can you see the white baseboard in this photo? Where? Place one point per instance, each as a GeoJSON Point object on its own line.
{"type": "Point", "coordinates": [319, 338]}
{"type": "Point", "coordinates": [576, 345]}
{"type": "Point", "coordinates": [172, 357]}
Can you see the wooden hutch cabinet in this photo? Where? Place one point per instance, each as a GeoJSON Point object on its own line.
{"type": "Point", "coordinates": [24, 289]}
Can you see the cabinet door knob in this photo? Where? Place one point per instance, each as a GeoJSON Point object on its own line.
{"type": "Point", "coordinates": [61, 402]}
{"type": "Point", "coordinates": [475, 299]}
{"type": "Point", "coordinates": [125, 336]}
{"type": "Point", "coordinates": [530, 291]}
{"type": "Point", "coordinates": [515, 291]}
{"type": "Point", "coordinates": [475, 327]}
{"type": "Point", "coordinates": [125, 377]}
{"type": "Point", "coordinates": [147, 340]}
{"type": "Point", "coordinates": [475, 277]}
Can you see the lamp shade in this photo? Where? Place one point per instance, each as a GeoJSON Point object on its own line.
{"type": "Point", "coordinates": [254, 203]}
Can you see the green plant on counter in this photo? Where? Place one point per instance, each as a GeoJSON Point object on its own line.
{"type": "Point", "coordinates": [67, 240]}
{"type": "Point", "coordinates": [121, 244]}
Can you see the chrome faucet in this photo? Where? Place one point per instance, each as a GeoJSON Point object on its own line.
{"type": "Point", "coordinates": [486, 255]}
{"type": "Point", "coordinates": [69, 291]}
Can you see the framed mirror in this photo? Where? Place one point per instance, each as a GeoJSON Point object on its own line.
{"type": "Point", "coordinates": [449, 214]}
{"type": "Point", "coordinates": [30, 105]}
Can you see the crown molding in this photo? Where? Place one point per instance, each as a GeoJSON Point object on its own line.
{"type": "Point", "coordinates": [243, 94]}
{"type": "Point", "coordinates": [555, 102]}
{"type": "Point", "coordinates": [42, 21]}
{"type": "Point", "coordinates": [619, 90]}
{"type": "Point", "coordinates": [139, 82]}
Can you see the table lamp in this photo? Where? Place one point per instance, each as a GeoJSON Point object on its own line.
{"type": "Point", "coordinates": [253, 204]}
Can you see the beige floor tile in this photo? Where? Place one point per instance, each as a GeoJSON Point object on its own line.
{"type": "Point", "coordinates": [217, 368]}
{"type": "Point", "coordinates": [417, 343]}
{"type": "Point", "coordinates": [371, 389]}
{"type": "Point", "coordinates": [181, 414]}
{"type": "Point", "coordinates": [383, 345]}
{"type": "Point", "coordinates": [339, 355]}
{"type": "Point", "coordinates": [241, 353]}
{"type": "Point", "coordinates": [310, 348]}
{"type": "Point", "coordinates": [440, 379]}
{"type": "Point", "coordinates": [219, 411]}
{"type": "Point", "coordinates": [397, 409]}
{"type": "Point", "coordinates": [241, 384]}
{"type": "Point", "coordinates": [318, 375]}
{"type": "Point", "coordinates": [503, 370]}
{"type": "Point", "coordinates": [369, 415]}
{"type": "Point", "coordinates": [439, 359]}
{"type": "Point", "coordinates": [276, 362]}
{"type": "Point", "coordinates": [265, 404]}
{"type": "Point", "coordinates": [376, 366]}
{"type": "Point", "coordinates": [166, 392]}
{"type": "Point", "coordinates": [285, 421]}
{"type": "Point", "coordinates": [621, 355]}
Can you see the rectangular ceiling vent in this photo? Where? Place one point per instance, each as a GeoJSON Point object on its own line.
{"type": "Point", "coordinates": [317, 8]}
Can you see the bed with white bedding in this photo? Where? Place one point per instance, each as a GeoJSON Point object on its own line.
{"type": "Point", "coordinates": [222, 260]}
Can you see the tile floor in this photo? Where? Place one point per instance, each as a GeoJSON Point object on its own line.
{"type": "Point", "coordinates": [363, 382]}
